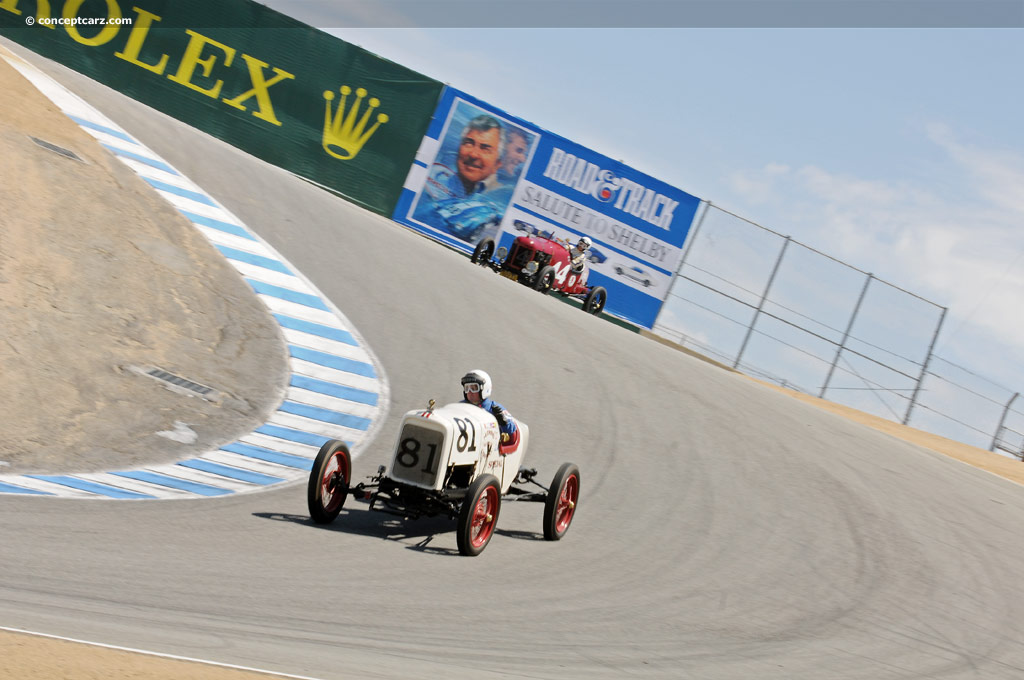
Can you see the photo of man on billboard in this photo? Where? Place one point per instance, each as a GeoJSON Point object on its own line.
{"type": "Point", "coordinates": [470, 183]}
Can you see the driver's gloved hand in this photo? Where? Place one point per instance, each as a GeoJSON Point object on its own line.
{"type": "Point", "coordinates": [500, 415]}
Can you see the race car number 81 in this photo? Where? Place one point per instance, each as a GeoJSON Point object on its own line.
{"type": "Point", "coordinates": [417, 457]}
{"type": "Point", "coordinates": [409, 455]}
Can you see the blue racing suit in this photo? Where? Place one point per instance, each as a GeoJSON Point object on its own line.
{"type": "Point", "coordinates": [504, 418]}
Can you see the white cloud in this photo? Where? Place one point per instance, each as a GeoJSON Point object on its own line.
{"type": "Point", "coordinates": [760, 187]}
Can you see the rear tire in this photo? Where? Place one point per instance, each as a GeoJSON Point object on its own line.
{"type": "Point", "coordinates": [328, 481]}
{"type": "Point", "coordinates": [594, 302]}
{"type": "Point", "coordinates": [483, 252]}
{"type": "Point", "coordinates": [478, 515]}
{"type": "Point", "coordinates": [560, 505]}
{"type": "Point", "coordinates": [545, 279]}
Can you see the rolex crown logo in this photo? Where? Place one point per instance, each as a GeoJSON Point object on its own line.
{"type": "Point", "coordinates": [344, 137]}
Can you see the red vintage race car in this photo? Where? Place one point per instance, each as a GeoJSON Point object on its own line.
{"type": "Point", "coordinates": [543, 263]}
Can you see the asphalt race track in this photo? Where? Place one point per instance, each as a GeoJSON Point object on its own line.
{"type": "Point", "coordinates": [724, 531]}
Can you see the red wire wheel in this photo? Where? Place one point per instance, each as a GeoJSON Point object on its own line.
{"type": "Point", "coordinates": [479, 515]}
{"type": "Point", "coordinates": [560, 505]}
{"type": "Point", "coordinates": [328, 481]}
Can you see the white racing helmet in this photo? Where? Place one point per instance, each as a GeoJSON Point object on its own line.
{"type": "Point", "coordinates": [584, 243]}
{"type": "Point", "coordinates": [480, 378]}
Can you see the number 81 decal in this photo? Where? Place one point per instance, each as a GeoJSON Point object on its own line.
{"type": "Point", "coordinates": [467, 434]}
{"type": "Point", "coordinates": [409, 455]}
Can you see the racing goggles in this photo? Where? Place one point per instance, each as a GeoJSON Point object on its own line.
{"type": "Point", "coordinates": [471, 387]}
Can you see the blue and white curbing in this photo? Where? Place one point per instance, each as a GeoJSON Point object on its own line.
{"type": "Point", "coordinates": [337, 389]}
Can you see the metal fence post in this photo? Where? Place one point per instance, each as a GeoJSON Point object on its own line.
{"type": "Point", "coordinates": [1002, 420]}
{"type": "Point", "coordinates": [846, 335]}
{"type": "Point", "coordinates": [924, 369]}
{"type": "Point", "coordinates": [760, 305]}
{"type": "Point", "coordinates": [691, 238]}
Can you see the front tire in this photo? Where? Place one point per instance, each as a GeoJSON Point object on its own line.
{"type": "Point", "coordinates": [545, 279]}
{"type": "Point", "coordinates": [560, 505]}
{"type": "Point", "coordinates": [479, 515]}
{"type": "Point", "coordinates": [328, 481]}
{"type": "Point", "coordinates": [594, 302]}
{"type": "Point", "coordinates": [483, 252]}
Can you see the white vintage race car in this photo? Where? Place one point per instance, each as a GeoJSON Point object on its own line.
{"type": "Point", "coordinates": [447, 461]}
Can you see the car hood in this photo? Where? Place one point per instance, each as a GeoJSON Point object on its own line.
{"type": "Point", "coordinates": [543, 245]}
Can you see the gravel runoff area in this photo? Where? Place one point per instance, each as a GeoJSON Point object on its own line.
{"type": "Point", "coordinates": [99, 274]}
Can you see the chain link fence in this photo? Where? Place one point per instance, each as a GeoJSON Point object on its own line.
{"type": "Point", "coordinates": [777, 309]}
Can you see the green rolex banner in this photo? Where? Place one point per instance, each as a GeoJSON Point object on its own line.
{"type": "Point", "coordinates": [279, 89]}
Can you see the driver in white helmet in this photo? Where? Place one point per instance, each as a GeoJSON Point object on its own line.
{"type": "Point", "coordinates": [578, 254]}
{"type": "Point", "coordinates": [476, 388]}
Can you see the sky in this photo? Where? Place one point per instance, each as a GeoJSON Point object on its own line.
{"type": "Point", "coordinates": [897, 150]}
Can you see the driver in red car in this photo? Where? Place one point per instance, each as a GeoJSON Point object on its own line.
{"type": "Point", "coordinates": [578, 254]}
{"type": "Point", "coordinates": [476, 388]}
